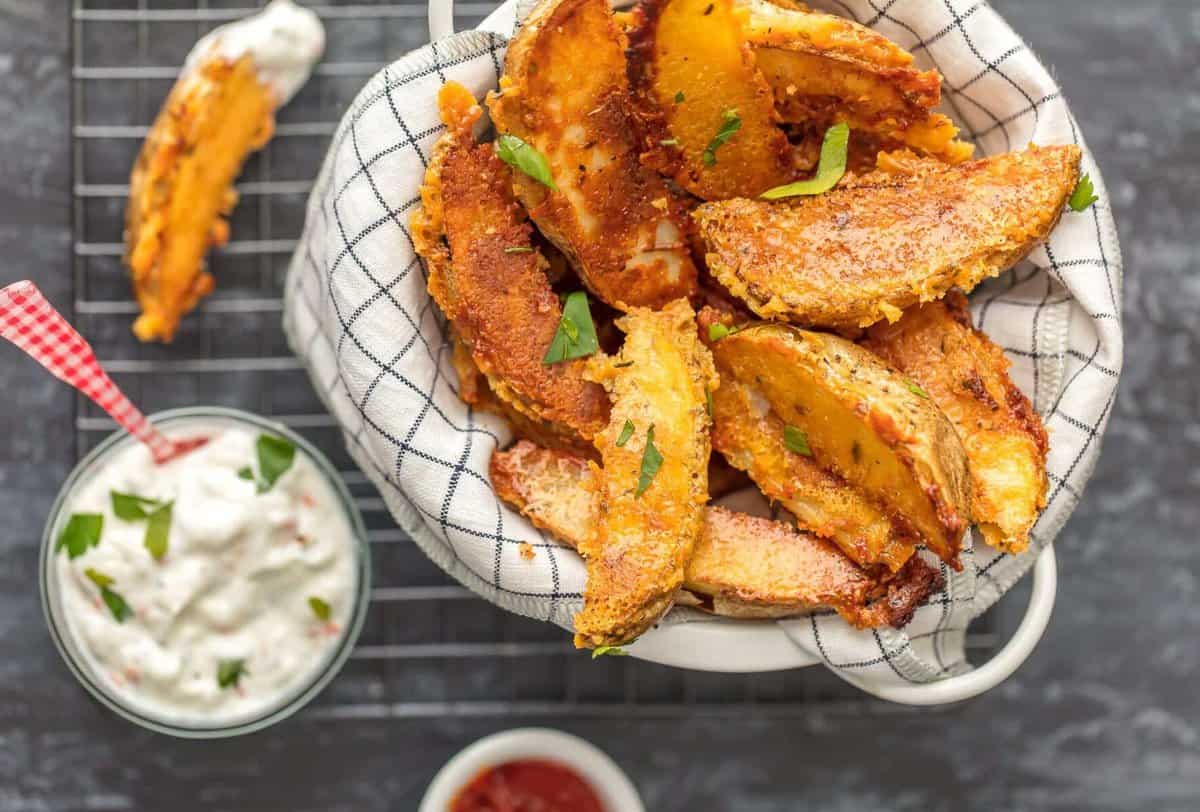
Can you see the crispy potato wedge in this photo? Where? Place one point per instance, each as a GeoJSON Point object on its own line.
{"type": "Point", "coordinates": [648, 520]}
{"type": "Point", "coordinates": [181, 188]}
{"type": "Point", "coordinates": [689, 65]}
{"type": "Point", "coordinates": [853, 256]}
{"type": "Point", "coordinates": [742, 566]}
{"type": "Point", "coordinates": [966, 375]}
{"type": "Point", "coordinates": [861, 421]}
{"type": "Point", "coordinates": [823, 69]}
{"type": "Point", "coordinates": [565, 92]}
{"type": "Point", "coordinates": [751, 437]}
{"type": "Point", "coordinates": [490, 281]}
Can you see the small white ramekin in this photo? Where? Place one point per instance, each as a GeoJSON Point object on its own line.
{"type": "Point", "coordinates": [613, 787]}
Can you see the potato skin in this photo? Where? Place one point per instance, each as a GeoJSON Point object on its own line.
{"type": "Point", "coordinates": [859, 254]}
{"type": "Point", "coordinates": [863, 422]}
{"type": "Point", "coordinates": [966, 375]}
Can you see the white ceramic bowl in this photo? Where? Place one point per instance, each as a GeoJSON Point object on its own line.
{"type": "Point", "coordinates": [608, 780]}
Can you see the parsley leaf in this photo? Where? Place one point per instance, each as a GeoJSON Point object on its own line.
{"type": "Point", "coordinates": [611, 651]}
{"type": "Point", "coordinates": [275, 456]}
{"type": "Point", "coordinates": [732, 124]}
{"type": "Point", "coordinates": [679, 97]}
{"type": "Point", "coordinates": [626, 433]}
{"type": "Point", "coordinates": [916, 389]}
{"type": "Point", "coordinates": [246, 472]}
{"type": "Point", "coordinates": [1084, 195]}
{"type": "Point", "coordinates": [112, 599]}
{"type": "Point", "coordinates": [158, 531]}
{"type": "Point", "coordinates": [708, 401]}
{"type": "Point", "coordinates": [319, 608]}
{"type": "Point", "coordinates": [576, 334]}
{"type": "Point", "coordinates": [229, 672]}
{"type": "Point", "coordinates": [131, 507]}
{"type": "Point", "coordinates": [717, 331]}
{"type": "Point", "coordinates": [651, 462]}
{"type": "Point", "coordinates": [520, 155]}
{"type": "Point", "coordinates": [796, 441]}
{"type": "Point", "coordinates": [82, 531]}
{"type": "Point", "coordinates": [829, 171]}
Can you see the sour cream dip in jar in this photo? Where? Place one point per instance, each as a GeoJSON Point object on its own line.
{"type": "Point", "coordinates": [211, 595]}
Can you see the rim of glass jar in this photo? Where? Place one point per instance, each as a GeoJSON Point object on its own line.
{"type": "Point", "coordinates": [60, 634]}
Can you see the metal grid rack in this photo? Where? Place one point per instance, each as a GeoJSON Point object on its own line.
{"type": "Point", "coordinates": [429, 647]}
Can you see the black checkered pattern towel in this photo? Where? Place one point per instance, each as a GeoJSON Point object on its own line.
{"type": "Point", "coordinates": [358, 314]}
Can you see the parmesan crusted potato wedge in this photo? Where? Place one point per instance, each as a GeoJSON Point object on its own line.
{"type": "Point", "coordinates": [565, 93]}
{"type": "Point", "coordinates": [654, 482]}
{"type": "Point", "coordinates": [742, 566]}
{"type": "Point", "coordinates": [855, 255]}
{"type": "Point", "coordinates": [966, 375]}
{"type": "Point", "coordinates": [490, 281]}
{"type": "Point", "coordinates": [694, 78]}
{"type": "Point", "coordinates": [863, 422]}
{"type": "Point", "coordinates": [823, 69]}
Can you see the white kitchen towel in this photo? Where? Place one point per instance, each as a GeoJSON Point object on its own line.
{"type": "Point", "coordinates": [359, 316]}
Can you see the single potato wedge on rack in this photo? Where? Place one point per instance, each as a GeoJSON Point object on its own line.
{"type": "Point", "coordinates": [742, 566]}
{"type": "Point", "coordinates": [823, 69]}
{"type": "Point", "coordinates": [855, 255]}
{"type": "Point", "coordinates": [863, 422]}
{"type": "Point", "coordinates": [220, 110]}
{"type": "Point", "coordinates": [966, 375]}
{"type": "Point", "coordinates": [565, 94]}
{"type": "Point", "coordinates": [489, 280]}
{"type": "Point", "coordinates": [708, 116]}
{"type": "Point", "coordinates": [654, 482]}
{"type": "Point", "coordinates": [751, 437]}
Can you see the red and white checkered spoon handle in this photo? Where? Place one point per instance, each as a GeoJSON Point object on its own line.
{"type": "Point", "coordinates": [32, 323]}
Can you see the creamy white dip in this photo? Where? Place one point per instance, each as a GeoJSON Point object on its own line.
{"type": "Point", "coordinates": [284, 40]}
{"type": "Point", "coordinates": [236, 598]}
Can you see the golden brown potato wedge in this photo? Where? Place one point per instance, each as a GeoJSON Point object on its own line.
{"type": "Point", "coordinates": [489, 280]}
{"type": "Point", "coordinates": [861, 421]}
{"type": "Point", "coordinates": [693, 74]}
{"type": "Point", "coordinates": [966, 375]}
{"type": "Point", "coordinates": [823, 69]}
{"type": "Point", "coordinates": [751, 437]}
{"type": "Point", "coordinates": [853, 256]}
{"type": "Point", "coordinates": [565, 92]}
{"type": "Point", "coordinates": [181, 188]}
{"type": "Point", "coordinates": [742, 566]}
{"type": "Point", "coordinates": [649, 516]}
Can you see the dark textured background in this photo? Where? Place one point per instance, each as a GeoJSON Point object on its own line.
{"type": "Point", "coordinates": [1104, 715]}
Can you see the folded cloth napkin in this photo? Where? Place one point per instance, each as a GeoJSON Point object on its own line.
{"type": "Point", "coordinates": [359, 316]}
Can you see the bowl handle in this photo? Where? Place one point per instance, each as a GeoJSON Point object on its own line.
{"type": "Point", "coordinates": [1001, 666]}
{"type": "Point", "coordinates": [441, 19]}
{"type": "Point", "coordinates": [954, 689]}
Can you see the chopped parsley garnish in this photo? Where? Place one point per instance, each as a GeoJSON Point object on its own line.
{"type": "Point", "coordinates": [829, 171]}
{"type": "Point", "coordinates": [708, 401]}
{"type": "Point", "coordinates": [275, 456]}
{"type": "Point", "coordinates": [717, 331]}
{"type": "Point", "coordinates": [679, 97]}
{"type": "Point", "coordinates": [611, 651]}
{"type": "Point", "coordinates": [651, 462]}
{"type": "Point", "coordinates": [229, 672]}
{"type": "Point", "coordinates": [158, 530]}
{"type": "Point", "coordinates": [626, 433]}
{"type": "Point", "coordinates": [732, 124]}
{"type": "Point", "coordinates": [576, 334]}
{"type": "Point", "coordinates": [82, 531]}
{"type": "Point", "coordinates": [669, 142]}
{"type": "Point", "coordinates": [319, 608]}
{"type": "Point", "coordinates": [518, 249]}
{"type": "Point", "coordinates": [916, 389]}
{"type": "Point", "coordinates": [796, 441]}
{"type": "Point", "coordinates": [520, 155]}
{"type": "Point", "coordinates": [131, 507]}
{"type": "Point", "coordinates": [246, 472]}
{"type": "Point", "coordinates": [112, 599]}
{"type": "Point", "coordinates": [1084, 195]}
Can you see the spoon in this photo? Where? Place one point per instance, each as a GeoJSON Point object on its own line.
{"type": "Point", "coordinates": [32, 323]}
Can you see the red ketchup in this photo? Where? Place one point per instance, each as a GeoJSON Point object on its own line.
{"type": "Point", "coordinates": [527, 785]}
